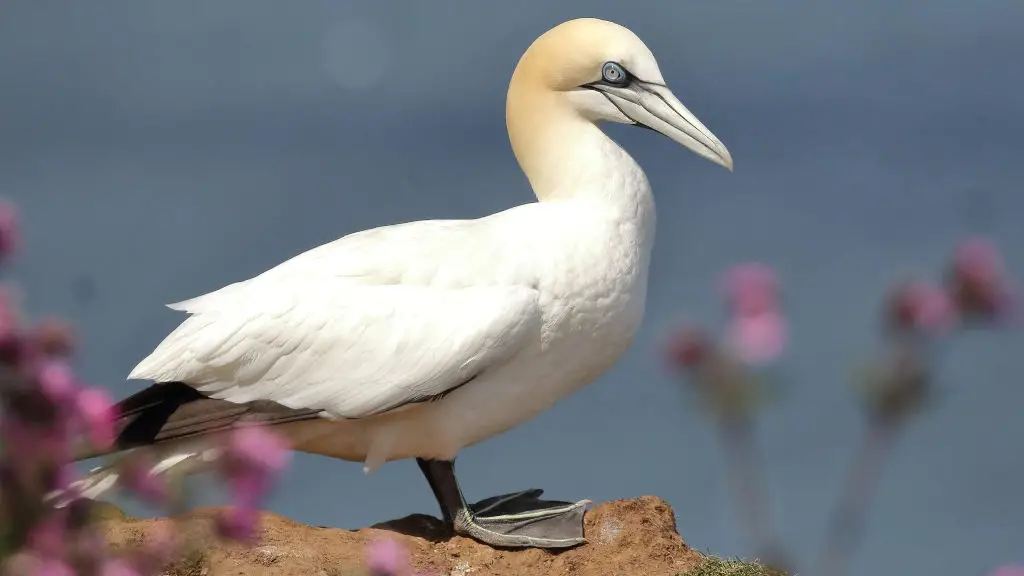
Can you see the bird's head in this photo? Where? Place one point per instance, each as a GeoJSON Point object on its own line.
{"type": "Point", "coordinates": [603, 72]}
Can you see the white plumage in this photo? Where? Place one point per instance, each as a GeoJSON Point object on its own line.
{"type": "Point", "coordinates": [350, 350]}
{"type": "Point", "coordinates": [419, 339]}
{"type": "Point", "coordinates": [529, 303]}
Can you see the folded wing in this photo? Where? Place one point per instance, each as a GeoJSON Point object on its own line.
{"type": "Point", "coordinates": [349, 350]}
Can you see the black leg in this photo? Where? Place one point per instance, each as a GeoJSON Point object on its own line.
{"type": "Point", "coordinates": [441, 477]}
{"type": "Point", "coordinates": [518, 520]}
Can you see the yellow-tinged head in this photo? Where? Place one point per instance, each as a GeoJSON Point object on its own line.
{"type": "Point", "coordinates": [598, 71]}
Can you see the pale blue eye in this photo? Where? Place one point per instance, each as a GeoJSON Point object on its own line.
{"type": "Point", "coordinates": [614, 74]}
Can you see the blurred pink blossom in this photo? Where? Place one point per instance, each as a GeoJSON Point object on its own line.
{"type": "Point", "coordinates": [750, 289]}
{"type": "Point", "coordinates": [252, 455]}
{"type": "Point", "coordinates": [44, 409]}
{"type": "Point", "coordinates": [386, 557]}
{"type": "Point", "coordinates": [978, 259]}
{"type": "Point", "coordinates": [247, 486]}
{"type": "Point", "coordinates": [758, 339]}
{"type": "Point", "coordinates": [255, 447]}
{"type": "Point", "coordinates": [138, 479]}
{"type": "Point", "coordinates": [237, 523]}
{"type": "Point", "coordinates": [979, 281]}
{"type": "Point", "coordinates": [57, 382]}
{"type": "Point", "coordinates": [688, 347]}
{"type": "Point", "coordinates": [97, 412]}
{"type": "Point", "coordinates": [922, 306]}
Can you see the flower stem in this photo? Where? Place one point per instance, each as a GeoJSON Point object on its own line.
{"type": "Point", "coordinates": [848, 519]}
{"type": "Point", "coordinates": [747, 481]}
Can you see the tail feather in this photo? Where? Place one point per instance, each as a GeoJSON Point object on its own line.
{"type": "Point", "coordinates": [175, 422]}
{"type": "Point", "coordinates": [178, 459]}
{"type": "Point", "coordinates": [172, 411]}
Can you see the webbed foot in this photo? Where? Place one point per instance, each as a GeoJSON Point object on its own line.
{"type": "Point", "coordinates": [517, 520]}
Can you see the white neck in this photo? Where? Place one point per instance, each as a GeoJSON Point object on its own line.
{"type": "Point", "coordinates": [565, 156]}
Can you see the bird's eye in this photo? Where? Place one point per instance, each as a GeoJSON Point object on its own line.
{"type": "Point", "coordinates": [613, 73]}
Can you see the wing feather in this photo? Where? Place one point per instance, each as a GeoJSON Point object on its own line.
{"type": "Point", "coordinates": [349, 350]}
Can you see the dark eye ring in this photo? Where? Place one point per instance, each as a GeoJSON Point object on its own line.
{"type": "Point", "coordinates": [613, 73]}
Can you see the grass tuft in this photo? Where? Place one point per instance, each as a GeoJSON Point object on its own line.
{"type": "Point", "coordinates": [193, 564]}
{"type": "Point", "coordinates": [713, 566]}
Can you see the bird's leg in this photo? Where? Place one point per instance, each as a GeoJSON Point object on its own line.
{"type": "Point", "coordinates": [518, 520]}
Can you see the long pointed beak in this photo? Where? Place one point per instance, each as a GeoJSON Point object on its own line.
{"type": "Point", "coordinates": [655, 107]}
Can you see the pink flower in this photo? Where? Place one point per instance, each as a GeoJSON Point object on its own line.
{"type": "Point", "coordinates": [251, 455]}
{"type": "Point", "coordinates": [237, 523]}
{"type": "Point", "coordinates": [57, 382]}
{"type": "Point", "coordinates": [10, 238]}
{"type": "Point", "coordinates": [248, 486]}
{"type": "Point", "coordinates": [922, 306]}
{"type": "Point", "coordinates": [978, 259]}
{"type": "Point", "coordinates": [97, 411]}
{"type": "Point", "coordinates": [254, 446]}
{"type": "Point", "coordinates": [750, 289]}
{"type": "Point", "coordinates": [758, 339]}
{"type": "Point", "coordinates": [978, 279]}
{"type": "Point", "coordinates": [387, 558]}
{"type": "Point", "coordinates": [138, 478]}
{"type": "Point", "coordinates": [688, 348]}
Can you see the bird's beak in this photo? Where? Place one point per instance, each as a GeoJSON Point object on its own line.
{"type": "Point", "coordinates": [655, 107]}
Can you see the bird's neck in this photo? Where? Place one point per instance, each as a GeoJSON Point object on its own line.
{"type": "Point", "coordinates": [565, 156]}
{"type": "Point", "coordinates": [569, 159]}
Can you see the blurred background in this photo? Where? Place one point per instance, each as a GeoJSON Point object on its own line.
{"type": "Point", "coordinates": [159, 150]}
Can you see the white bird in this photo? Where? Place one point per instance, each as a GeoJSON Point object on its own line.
{"type": "Point", "coordinates": [419, 339]}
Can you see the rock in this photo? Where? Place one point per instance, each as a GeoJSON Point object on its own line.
{"type": "Point", "coordinates": [626, 537]}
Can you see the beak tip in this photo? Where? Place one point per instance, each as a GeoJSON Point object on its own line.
{"type": "Point", "coordinates": [725, 159]}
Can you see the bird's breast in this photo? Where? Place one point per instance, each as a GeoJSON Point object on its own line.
{"type": "Point", "coordinates": [595, 302]}
{"type": "Point", "coordinates": [592, 281]}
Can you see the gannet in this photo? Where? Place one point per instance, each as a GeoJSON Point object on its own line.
{"type": "Point", "coordinates": [419, 339]}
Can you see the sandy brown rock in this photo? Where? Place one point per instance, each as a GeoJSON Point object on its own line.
{"type": "Point", "coordinates": [626, 537]}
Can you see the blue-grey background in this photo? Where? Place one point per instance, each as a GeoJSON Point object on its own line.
{"type": "Point", "coordinates": [162, 149]}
